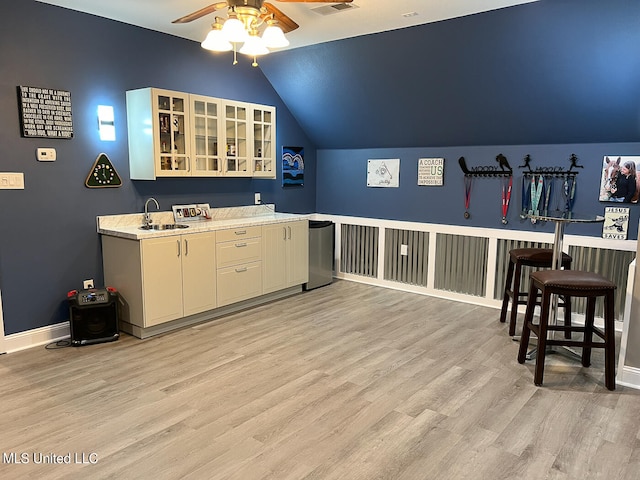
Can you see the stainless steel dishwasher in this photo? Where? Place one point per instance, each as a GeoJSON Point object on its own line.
{"type": "Point", "coordinates": [321, 245]}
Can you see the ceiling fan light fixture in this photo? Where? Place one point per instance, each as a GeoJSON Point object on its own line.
{"type": "Point", "coordinates": [273, 36]}
{"type": "Point", "coordinates": [234, 30]}
{"type": "Point", "coordinates": [254, 45]}
{"type": "Point", "coordinates": [216, 40]}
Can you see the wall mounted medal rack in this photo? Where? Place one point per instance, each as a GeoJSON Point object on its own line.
{"type": "Point", "coordinates": [505, 173]}
{"type": "Point", "coordinates": [551, 171]}
{"type": "Point", "coordinates": [538, 195]}
{"type": "Point", "coordinates": [487, 171]}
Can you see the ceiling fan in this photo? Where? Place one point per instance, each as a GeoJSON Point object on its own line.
{"type": "Point", "coordinates": [257, 8]}
{"type": "Point", "coordinates": [245, 17]}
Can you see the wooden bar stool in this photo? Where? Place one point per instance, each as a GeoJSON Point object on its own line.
{"type": "Point", "coordinates": [527, 257]}
{"type": "Point", "coordinates": [572, 283]}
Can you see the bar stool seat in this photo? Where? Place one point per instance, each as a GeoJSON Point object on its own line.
{"type": "Point", "coordinates": [527, 257]}
{"type": "Point", "coordinates": [571, 283]}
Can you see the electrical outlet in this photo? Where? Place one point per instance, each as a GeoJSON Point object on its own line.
{"type": "Point", "coordinates": [12, 181]}
{"type": "Point", "coordinates": [404, 249]}
{"type": "Point", "coordinates": [257, 199]}
{"type": "Point", "coordinates": [87, 284]}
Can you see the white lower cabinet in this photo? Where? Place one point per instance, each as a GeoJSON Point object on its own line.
{"type": "Point", "coordinates": [162, 279]}
{"type": "Point", "coordinates": [239, 262]}
{"type": "Point", "coordinates": [239, 283]}
{"type": "Point", "coordinates": [285, 255]}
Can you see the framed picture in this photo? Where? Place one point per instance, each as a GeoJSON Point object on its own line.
{"type": "Point", "coordinates": [292, 166]}
{"type": "Point", "coordinates": [616, 223]}
{"type": "Point", "coordinates": [431, 171]}
{"type": "Point", "coordinates": [620, 181]}
{"type": "Point", "coordinates": [383, 173]}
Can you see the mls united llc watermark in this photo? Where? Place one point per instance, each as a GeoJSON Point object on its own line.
{"type": "Point", "coordinates": [51, 458]}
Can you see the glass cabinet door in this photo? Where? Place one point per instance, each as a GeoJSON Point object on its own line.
{"type": "Point", "coordinates": [236, 160]}
{"type": "Point", "coordinates": [206, 154]}
{"type": "Point", "coordinates": [263, 152]}
{"type": "Point", "coordinates": [172, 118]}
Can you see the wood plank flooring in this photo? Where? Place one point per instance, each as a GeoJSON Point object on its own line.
{"type": "Point", "coordinates": [348, 381]}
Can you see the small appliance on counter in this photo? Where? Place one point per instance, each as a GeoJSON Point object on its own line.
{"type": "Point", "coordinates": [191, 213]}
{"type": "Point", "coordinates": [93, 316]}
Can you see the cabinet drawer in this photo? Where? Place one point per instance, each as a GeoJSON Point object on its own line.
{"type": "Point", "coordinates": [238, 233]}
{"type": "Point", "coordinates": [240, 251]}
{"type": "Point", "coordinates": [239, 282]}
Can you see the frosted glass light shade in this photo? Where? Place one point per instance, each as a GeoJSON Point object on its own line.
{"type": "Point", "coordinates": [216, 41]}
{"type": "Point", "coordinates": [273, 37]}
{"type": "Point", "coordinates": [254, 45]}
{"type": "Point", "coordinates": [234, 30]}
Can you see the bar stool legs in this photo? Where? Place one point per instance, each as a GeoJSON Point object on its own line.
{"type": "Point", "coordinates": [528, 257]}
{"type": "Point", "coordinates": [570, 284]}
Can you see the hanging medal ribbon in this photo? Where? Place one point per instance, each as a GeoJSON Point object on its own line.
{"type": "Point", "coordinates": [536, 193]}
{"type": "Point", "coordinates": [570, 187]}
{"type": "Point", "coordinates": [524, 202]}
{"type": "Point", "coordinates": [547, 197]}
{"type": "Point", "coordinates": [467, 195]}
{"type": "Point", "coordinates": [506, 197]}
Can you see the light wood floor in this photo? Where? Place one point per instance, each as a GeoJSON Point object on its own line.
{"type": "Point", "coordinates": [347, 381]}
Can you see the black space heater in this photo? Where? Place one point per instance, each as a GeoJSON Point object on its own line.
{"type": "Point", "coordinates": [93, 316]}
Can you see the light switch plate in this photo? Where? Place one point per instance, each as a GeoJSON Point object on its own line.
{"type": "Point", "coordinates": [46, 154]}
{"type": "Point", "coordinates": [12, 181]}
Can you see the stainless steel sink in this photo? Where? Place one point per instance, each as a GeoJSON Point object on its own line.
{"type": "Point", "coordinates": [164, 226]}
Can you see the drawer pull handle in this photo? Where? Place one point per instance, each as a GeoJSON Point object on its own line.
{"type": "Point", "coordinates": [240, 232]}
{"type": "Point", "coordinates": [241, 245]}
{"type": "Point", "coordinates": [240, 270]}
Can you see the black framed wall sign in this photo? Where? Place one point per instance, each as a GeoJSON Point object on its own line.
{"type": "Point", "coordinates": [45, 112]}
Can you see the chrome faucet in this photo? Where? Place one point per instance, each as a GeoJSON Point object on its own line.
{"type": "Point", "coordinates": [147, 216]}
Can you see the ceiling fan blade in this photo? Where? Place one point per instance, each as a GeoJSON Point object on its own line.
{"type": "Point", "coordinates": [315, 1]}
{"type": "Point", "coordinates": [286, 24]}
{"type": "Point", "coordinates": [201, 13]}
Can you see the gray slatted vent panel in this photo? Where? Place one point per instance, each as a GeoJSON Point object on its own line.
{"type": "Point", "coordinates": [359, 250]}
{"type": "Point", "coordinates": [502, 263]}
{"type": "Point", "coordinates": [613, 264]}
{"type": "Point", "coordinates": [410, 268]}
{"type": "Point", "coordinates": [461, 264]}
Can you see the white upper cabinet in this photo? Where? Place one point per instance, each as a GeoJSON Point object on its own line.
{"type": "Point", "coordinates": [264, 142]}
{"type": "Point", "coordinates": [174, 134]}
{"type": "Point", "coordinates": [207, 136]}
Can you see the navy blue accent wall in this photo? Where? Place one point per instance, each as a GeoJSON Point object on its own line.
{"type": "Point", "coordinates": [553, 71]}
{"type": "Point", "coordinates": [48, 239]}
{"type": "Point", "coordinates": [342, 185]}
{"type": "Point", "coordinates": [549, 79]}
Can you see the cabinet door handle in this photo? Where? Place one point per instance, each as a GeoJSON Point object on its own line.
{"type": "Point", "coordinates": [284, 233]}
{"type": "Point", "coordinates": [241, 245]}
{"type": "Point", "coordinates": [179, 247]}
{"type": "Point", "coordinates": [240, 270]}
{"type": "Point", "coordinates": [240, 232]}
{"type": "Point", "coordinates": [188, 164]}
{"type": "Point", "coordinates": [289, 232]}
{"type": "Point", "coordinates": [186, 247]}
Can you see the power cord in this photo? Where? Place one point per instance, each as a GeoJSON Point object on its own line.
{"type": "Point", "coordinates": [58, 344]}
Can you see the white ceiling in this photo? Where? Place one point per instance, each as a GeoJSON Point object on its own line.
{"type": "Point", "coordinates": [371, 16]}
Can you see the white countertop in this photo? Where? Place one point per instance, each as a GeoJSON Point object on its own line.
{"type": "Point", "coordinates": [128, 226]}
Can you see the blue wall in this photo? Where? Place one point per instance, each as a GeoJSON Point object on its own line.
{"type": "Point", "coordinates": [548, 72]}
{"type": "Point", "coordinates": [548, 79]}
{"type": "Point", "coordinates": [48, 239]}
{"type": "Point", "coordinates": [342, 189]}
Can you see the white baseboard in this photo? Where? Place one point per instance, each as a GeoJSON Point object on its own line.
{"type": "Point", "coordinates": [629, 377]}
{"type": "Point", "coordinates": [36, 337]}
